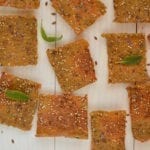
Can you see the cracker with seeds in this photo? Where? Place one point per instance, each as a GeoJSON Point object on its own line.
{"type": "Point", "coordinates": [73, 65]}
{"type": "Point", "coordinates": [23, 4]}
{"type": "Point", "coordinates": [132, 11]}
{"type": "Point", "coordinates": [108, 130]}
{"type": "Point", "coordinates": [79, 14]}
{"type": "Point", "coordinates": [62, 115]}
{"type": "Point", "coordinates": [139, 96]}
{"type": "Point", "coordinates": [15, 113]}
{"type": "Point", "coordinates": [121, 46]}
{"type": "Point", "coordinates": [18, 41]}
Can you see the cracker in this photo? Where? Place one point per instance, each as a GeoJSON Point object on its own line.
{"type": "Point", "coordinates": [132, 11]}
{"type": "Point", "coordinates": [79, 14]}
{"type": "Point", "coordinates": [23, 4]}
{"type": "Point", "coordinates": [62, 115]}
{"type": "Point", "coordinates": [139, 96]}
{"type": "Point", "coordinates": [73, 65]}
{"type": "Point", "coordinates": [108, 130]}
{"type": "Point", "coordinates": [18, 41]}
{"type": "Point", "coordinates": [120, 46]}
{"type": "Point", "coordinates": [13, 113]}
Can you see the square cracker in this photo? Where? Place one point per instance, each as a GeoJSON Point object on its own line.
{"type": "Point", "coordinates": [62, 115]}
{"type": "Point", "coordinates": [79, 14]}
{"type": "Point", "coordinates": [73, 65]}
{"type": "Point", "coordinates": [29, 4]}
{"type": "Point", "coordinates": [120, 46]}
{"type": "Point", "coordinates": [13, 113]}
{"type": "Point", "coordinates": [139, 96]}
{"type": "Point", "coordinates": [132, 11]}
{"type": "Point", "coordinates": [18, 41]}
{"type": "Point", "coordinates": [108, 130]}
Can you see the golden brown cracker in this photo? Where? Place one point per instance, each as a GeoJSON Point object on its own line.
{"type": "Point", "coordinates": [108, 130]}
{"type": "Point", "coordinates": [120, 46]}
{"type": "Point", "coordinates": [62, 115]}
{"type": "Point", "coordinates": [139, 96]}
{"type": "Point", "coordinates": [23, 4]}
{"type": "Point", "coordinates": [79, 14]}
{"type": "Point", "coordinates": [127, 11]}
{"type": "Point", "coordinates": [14, 113]}
{"type": "Point", "coordinates": [18, 41]}
{"type": "Point", "coordinates": [73, 65]}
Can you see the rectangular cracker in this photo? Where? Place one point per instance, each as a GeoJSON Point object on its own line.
{"type": "Point", "coordinates": [108, 130]}
{"type": "Point", "coordinates": [23, 4]}
{"type": "Point", "coordinates": [62, 115]}
{"type": "Point", "coordinates": [73, 65]}
{"type": "Point", "coordinates": [79, 14]}
{"type": "Point", "coordinates": [132, 11]}
{"type": "Point", "coordinates": [18, 41]}
{"type": "Point", "coordinates": [139, 96]}
{"type": "Point", "coordinates": [122, 45]}
{"type": "Point", "coordinates": [14, 113]}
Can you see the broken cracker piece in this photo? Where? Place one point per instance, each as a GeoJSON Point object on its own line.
{"type": "Point", "coordinates": [120, 46]}
{"type": "Point", "coordinates": [108, 130]}
{"type": "Point", "coordinates": [23, 4]}
{"type": "Point", "coordinates": [139, 96]}
{"type": "Point", "coordinates": [132, 11]}
{"type": "Point", "coordinates": [18, 41]}
{"type": "Point", "coordinates": [79, 14]}
{"type": "Point", "coordinates": [62, 115]}
{"type": "Point", "coordinates": [73, 65]}
{"type": "Point", "coordinates": [14, 113]}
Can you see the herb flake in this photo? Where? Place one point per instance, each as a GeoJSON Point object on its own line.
{"type": "Point", "coordinates": [131, 60]}
{"type": "Point", "coordinates": [49, 38]}
{"type": "Point", "coordinates": [16, 95]}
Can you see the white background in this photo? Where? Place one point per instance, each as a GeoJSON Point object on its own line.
{"type": "Point", "coordinates": [102, 96]}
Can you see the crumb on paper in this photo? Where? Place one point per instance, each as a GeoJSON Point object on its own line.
{"type": "Point", "coordinates": [12, 141]}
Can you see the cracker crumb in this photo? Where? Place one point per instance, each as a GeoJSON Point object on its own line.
{"type": "Point", "coordinates": [53, 14]}
{"type": "Point", "coordinates": [54, 22]}
{"type": "Point", "coordinates": [95, 37]}
{"type": "Point", "coordinates": [46, 3]}
{"type": "Point", "coordinates": [12, 141]}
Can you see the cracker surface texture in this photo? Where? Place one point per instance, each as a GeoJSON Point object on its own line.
{"type": "Point", "coordinates": [120, 46]}
{"type": "Point", "coordinates": [62, 115]}
{"type": "Point", "coordinates": [139, 96]}
{"type": "Point", "coordinates": [18, 41]}
{"type": "Point", "coordinates": [79, 14]}
{"type": "Point", "coordinates": [23, 4]}
{"type": "Point", "coordinates": [73, 65]}
{"type": "Point", "coordinates": [108, 130]}
{"type": "Point", "coordinates": [132, 11]}
{"type": "Point", "coordinates": [14, 113]}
